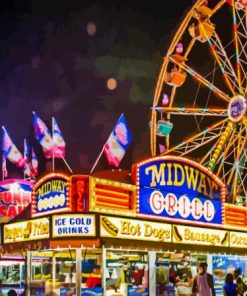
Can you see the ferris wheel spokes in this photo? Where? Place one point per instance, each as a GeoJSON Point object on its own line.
{"type": "Point", "coordinates": [235, 34]}
{"type": "Point", "coordinates": [201, 79]}
{"type": "Point", "coordinates": [193, 111]}
{"type": "Point", "coordinates": [219, 49]}
{"type": "Point", "coordinates": [198, 140]}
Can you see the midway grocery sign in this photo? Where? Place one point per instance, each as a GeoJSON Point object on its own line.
{"type": "Point", "coordinates": [178, 188]}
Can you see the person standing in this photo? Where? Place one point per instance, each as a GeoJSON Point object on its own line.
{"type": "Point", "coordinates": [229, 289]}
{"type": "Point", "coordinates": [241, 287]}
{"type": "Point", "coordinates": [203, 284]}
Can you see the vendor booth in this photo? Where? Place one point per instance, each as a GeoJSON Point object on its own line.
{"type": "Point", "coordinates": [87, 235]}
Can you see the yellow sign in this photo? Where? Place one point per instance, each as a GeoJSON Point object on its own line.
{"type": "Point", "coordinates": [134, 229]}
{"type": "Point", "coordinates": [35, 229]}
{"type": "Point", "coordinates": [238, 239]}
{"type": "Point", "coordinates": [200, 236]}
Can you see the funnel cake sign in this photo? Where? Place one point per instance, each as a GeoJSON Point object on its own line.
{"type": "Point", "coordinates": [178, 188]}
{"type": "Point", "coordinates": [15, 196]}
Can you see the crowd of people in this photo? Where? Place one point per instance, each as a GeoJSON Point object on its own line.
{"type": "Point", "coordinates": [203, 285]}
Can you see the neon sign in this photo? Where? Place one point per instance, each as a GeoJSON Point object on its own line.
{"type": "Point", "coordinates": [175, 187]}
{"type": "Point", "coordinates": [15, 196]}
{"type": "Point", "coordinates": [50, 194]}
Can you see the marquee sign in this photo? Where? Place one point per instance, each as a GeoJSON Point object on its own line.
{"type": "Point", "coordinates": [178, 188]}
{"type": "Point", "coordinates": [200, 236]}
{"type": "Point", "coordinates": [36, 229]}
{"type": "Point", "coordinates": [73, 225]}
{"type": "Point", "coordinates": [238, 239]}
{"type": "Point", "coordinates": [50, 194]}
{"type": "Point", "coordinates": [124, 228]}
{"type": "Point", "coordinates": [15, 196]}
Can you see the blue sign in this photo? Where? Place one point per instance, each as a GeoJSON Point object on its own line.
{"type": "Point", "coordinates": [176, 187]}
{"type": "Point", "coordinates": [92, 291]}
{"type": "Point", "coordinates": [137, 291]}
{"type": "Point", "coordinates": [68, 292]}
{"type": "Point", "coordinates": [222, 265]}
{"type": "Point", "coordinates": [51, 194]}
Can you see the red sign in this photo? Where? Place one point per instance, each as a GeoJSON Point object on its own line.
{"type": "Point", "coordinates": [15, 196]}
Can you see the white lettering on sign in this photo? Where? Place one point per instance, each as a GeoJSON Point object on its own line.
{"type": "Point", "coordinates": [73, 225]}
{"type": "Point", "coordinates": [182, 205]}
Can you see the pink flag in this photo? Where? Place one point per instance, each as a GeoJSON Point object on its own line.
{"type": "Point", "coordinates": [43, 135]}
{"type": "Point", "coordinates": [35, 163]}
{"type": "Point", "coordinates": [10, 151]}
{"type": "Point", "coordinates": [118, 142]}
{"type": "Point", "coordinates": [58, 141]}
{"type": "Point", "coordinates": [27, 164]}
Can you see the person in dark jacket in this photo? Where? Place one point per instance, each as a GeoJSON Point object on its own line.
{"type": "Point", "coordinates": [229, 289]}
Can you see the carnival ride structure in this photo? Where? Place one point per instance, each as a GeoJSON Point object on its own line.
{"type": "Point", "coordinates": [201, 90]}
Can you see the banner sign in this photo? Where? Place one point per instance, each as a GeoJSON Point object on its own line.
{"type": "Point", "coordinates": [200, 236]}
{"type": "Point", "coordinates": [15, 196]}
{"type": "Point", "coordinates": [176, 187]}
{"type": "Point", "coordinates": [50, 194]}
{"type": "Point", "coordinates": [73, 225]}
{"type": "Point", "coordinates": [134, 229]}
{"type": "Point", "coordinates": [36, 229]}
{"type": "Point", "coordinates": [238, 239]}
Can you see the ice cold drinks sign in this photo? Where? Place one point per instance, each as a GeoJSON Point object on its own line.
{"type": "Point", "coordinates": [176, 187]}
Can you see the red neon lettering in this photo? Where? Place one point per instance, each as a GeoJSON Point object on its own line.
{"type": "Point", "coordinates": [26, 198]}
{"type": "Point", "coordinates": [7, 197]}
{"type": "Point", "coordinates": [196, 213]}
{"type": "Point", "coordinates": [16, 198]}
{"type": "Point", "coordinates": [184, 199]}
{"type": "Point", "coordinates": [157, 201]}
{"type": "Point", "coordinates": [207, 210]}
{"type": "Point", "coordinates": [12, 211]}
{"type": "Point", "coordinates": [171, 203]}
{"type": "Point", "coordinates": [3, 209]}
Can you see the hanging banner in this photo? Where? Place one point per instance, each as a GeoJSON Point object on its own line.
{"type": "Point", "coordinates": [200, 236]}
{"type": "Point", "coordinates": [15, 196]}
{"type": "Point", "coordinates": [73, 225]}
{"type": "Point", "coordinates": [172, 187]}
{"type": "Point", "coordinates": [36, 229]}
{"type": "Point", "coordinates": [134, 229]}
{"type": "Point", "coordinates": [50, 195]}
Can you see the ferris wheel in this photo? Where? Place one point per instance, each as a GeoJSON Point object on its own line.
{"type": "Point", "coordinates": [201, 93]}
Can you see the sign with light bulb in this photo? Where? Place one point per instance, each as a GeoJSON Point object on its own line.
{"type": "Point", "coordinates": [172, 187]}
{"type": "Point", "coordinates": [15, 196]}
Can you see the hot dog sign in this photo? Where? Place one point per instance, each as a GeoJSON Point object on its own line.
{"type": "Point", "coordinates": [177, 188]}
{"type": "Point", "coordinates": [116, 227]}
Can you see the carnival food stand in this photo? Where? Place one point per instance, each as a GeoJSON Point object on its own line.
{"type": "Point", "coordinates": [141, 235]}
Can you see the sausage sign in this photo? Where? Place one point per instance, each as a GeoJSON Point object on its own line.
{"type": "Point", "coordinates": [176, 187]}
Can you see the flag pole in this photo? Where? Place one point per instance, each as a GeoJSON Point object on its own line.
{"type": "Point", "coordinates": [3, 156]}
{"type": "Point", "coordinates": [53, 158]}
{"type": "Point", "coordinates": [97, 160]}
{"type": "Point", "coordinates": [66, 164]}
{"type": "Point", "coordinates": [2, 168]}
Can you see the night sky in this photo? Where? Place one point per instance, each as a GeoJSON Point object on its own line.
{"type": "Point", "coordinates": [54, 62]}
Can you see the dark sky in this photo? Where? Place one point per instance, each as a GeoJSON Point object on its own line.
{"type": "Point", "coordinates": [49, 63]}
